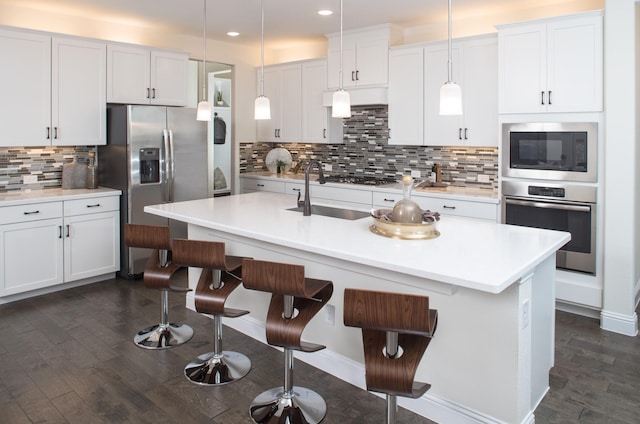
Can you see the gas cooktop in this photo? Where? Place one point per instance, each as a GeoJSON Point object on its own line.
{"type": "Point", "coordinates": [351, 179]}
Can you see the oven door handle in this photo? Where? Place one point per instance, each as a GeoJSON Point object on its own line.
{"type": "Point", "coordinates": [573, 208]}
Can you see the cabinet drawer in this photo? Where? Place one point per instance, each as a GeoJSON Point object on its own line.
{"type": "Point", "coordinates": [91, 205]}
{"type": "Point", "coordinates": [464, 208]}
{"type": "Point", "coordinates": [253, 184]}
{"type": "Point", "coordinates": [32, 212]}
{"type": "Point", "coordinates": [294, 188]}
{"type": "Point", "coordinates": [341, 194]}
{"type": "Point", "coordinates": [385, 200]}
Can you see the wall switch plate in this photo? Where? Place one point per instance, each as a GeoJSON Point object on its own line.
{"type": "Point", "coordinates": [483, 178]}
{"type": "Point", "coordinates": [327, 167]}
{"type": "Point", "coordinates": [330, 314]}
{"type": "Point", "coordinates": [416, 173]}
{"type": "Point", "coordinates": [29, 179]}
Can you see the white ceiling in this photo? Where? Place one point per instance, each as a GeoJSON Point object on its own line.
{"type": "Point", "coordinates": [286, 21]}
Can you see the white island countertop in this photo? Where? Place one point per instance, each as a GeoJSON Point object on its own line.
{"type": "Point", "coordinates": [470, 253]}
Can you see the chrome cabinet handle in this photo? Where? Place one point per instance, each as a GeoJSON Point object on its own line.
{"type": "Point", "coordinates": [465, 133]}
{"type": "Point", "coordinates": [448, 207]}
{"type": "Point", "coordinates": [97, 205]}
{"type": "Point", "coordinates": [459, 133]}
{"type": "Point", "coordinates": [388, 200]}
{"type": "Point", "coordinates": [59, 231]}
{"type": "Point", "coordinates": [324, 133]}
{"type": "Point", "coordinates": [353, 73]}
{"type": "Point", "coordinates": [357, 75]}
{"type": "Point", "coordinates": [260, 185]}
{"type": "Point", "coordinates": [153, 90]}
{"type": "Point", "coordinates": [55, 133]}
{"type": "Point", "coordinates": [68, 230]}
{"type": "Point", "coordinates": [549, 96]}
{"type": "Point", "coordinates": [148, 94]}
{"type": "Point", "coordinates": [31, 212]}
{"type": "Point", "coordinates": [48, 133]}
{"type": "Point", "coordinates": [296, 189]}
{"type": "Point", "coordinates": [542, 97]}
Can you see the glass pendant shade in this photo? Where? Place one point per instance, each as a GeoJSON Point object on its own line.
{"type": "Point", "coordinates": [341, 104]}
{"type": "Point", "coordinates": [262, 108]}
{"type": "Point", "coordinates": [450, 99]}
{"type": "Point", "coordinates": [204, 111]}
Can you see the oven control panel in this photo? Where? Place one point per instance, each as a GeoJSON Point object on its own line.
{"type": "Point", "coordinates": [558, 192]}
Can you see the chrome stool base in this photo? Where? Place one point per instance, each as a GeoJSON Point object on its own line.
{"type": "Point", "coordinates": [215, 370]}
{"type": "Point", "coordinates": [304, 407]}
{"type": "Point", "coordinates": [163, 336]}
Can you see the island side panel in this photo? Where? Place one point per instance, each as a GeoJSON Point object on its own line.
{"type": "Point", "coordinates": [479, 358]}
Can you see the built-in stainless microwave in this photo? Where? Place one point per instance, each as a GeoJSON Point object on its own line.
{"type": "Point", "coordinates": [550, 151]}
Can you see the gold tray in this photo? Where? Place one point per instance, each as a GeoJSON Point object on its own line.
{"type": "Point", "coordinates": [404, 231]}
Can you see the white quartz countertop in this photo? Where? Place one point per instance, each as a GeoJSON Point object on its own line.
{"type": "Point", "coordinates": [450, 192]}
{"type": "Point", "coordinates": [53, 195]}
{"type": "Point", "coordinates": [470, 253]}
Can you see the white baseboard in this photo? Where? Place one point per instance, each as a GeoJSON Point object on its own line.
{"type": "Point", "coordinates": [57, 287]}
{"type": "Point", "coordinates": [431, 407]}
{"type": "Point", "coordinates": [621, 324]}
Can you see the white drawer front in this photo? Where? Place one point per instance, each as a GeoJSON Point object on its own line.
{"type": "Point", "coordinates": [31, 212]}
{"type": "Point", "coordinates": [458, 207]}
{"type": "Point", "coordinates": [341, 194]}
{"type": "Point", "coordinates": [385, 200]}
{"type": "Point", "coordinates": [253, 184]}
{"type": "Point", "coordinates": [91, 205]}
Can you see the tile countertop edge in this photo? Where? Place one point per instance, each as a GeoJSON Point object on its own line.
{"type": "Point", "coordinates": [54, 195]}
{"type": "Point", "coordinates": [492, 274]}
{"type": "Point", "coordinates": [453, 192]}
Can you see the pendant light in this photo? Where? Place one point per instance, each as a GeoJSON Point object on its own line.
{"type": "Point", "coordinates": [341, 103]}
{"type": "Point", "coordinates": [262, 108]}
{"type": "Point", "coordinates": [450, 92]}
{"type": "Point", "coordinates": [204, 107]}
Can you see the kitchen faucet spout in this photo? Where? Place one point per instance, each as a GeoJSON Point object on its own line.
{"type": "Point", "coordinates": [306, 204]}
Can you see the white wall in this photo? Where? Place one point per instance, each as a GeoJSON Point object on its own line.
{"type": "Point", "coordinates": [622, 203]}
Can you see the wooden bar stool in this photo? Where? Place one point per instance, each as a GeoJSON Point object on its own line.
{"type": "Point", "coordinates": [396, 330]}
{"type": "Point", "coordinates": [220, 276]}
{"type": "Point", "coordinates": [295, 300]}
{"type": "Point", "coordinates": [157, 275]}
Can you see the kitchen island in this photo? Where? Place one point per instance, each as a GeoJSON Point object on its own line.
{"type": "Point", "coordinates": [492, 284]}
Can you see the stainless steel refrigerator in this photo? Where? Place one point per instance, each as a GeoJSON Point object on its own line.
{"type": "Point", "coordinates": [154, 154]}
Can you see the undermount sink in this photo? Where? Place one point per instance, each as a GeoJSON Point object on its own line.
{"type": "Point", "coordinates": [333, 212]}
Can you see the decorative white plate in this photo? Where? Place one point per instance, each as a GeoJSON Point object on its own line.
{"type": "Point", "coordinates": [274, 155]}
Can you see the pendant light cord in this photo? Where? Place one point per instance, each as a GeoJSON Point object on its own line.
{"type": "Point", "coordinates": [449, 72]}
{"type": "Point", "coordinates": [204, 54]}
{"type": "Point", "coordinates": [341, 54]}
{"type": "Point", "coordinates": [262, 48]}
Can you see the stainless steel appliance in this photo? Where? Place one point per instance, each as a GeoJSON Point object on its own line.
{"type": "Point", "coordinates": [556, 206]}
{"type": "Point", "coordinates": [550, 151]}
{"type": "Point", "coordinates": [154, 154]}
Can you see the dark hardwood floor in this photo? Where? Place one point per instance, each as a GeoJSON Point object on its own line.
{"type": "Point", "coordinates": [69, 357]}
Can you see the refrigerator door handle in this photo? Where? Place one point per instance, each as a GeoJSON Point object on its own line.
{"type": "Point", "coordinates": [172, 167]}
{"type": "Point", "coordinates": [165, 165]}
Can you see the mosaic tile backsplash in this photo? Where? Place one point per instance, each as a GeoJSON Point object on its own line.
{"type": "Point", "coordinates": [365, 152]}
{"type": "Point", "coordinates": [43, 162]}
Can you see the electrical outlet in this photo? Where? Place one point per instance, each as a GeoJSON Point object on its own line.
{"type": "Point", "coordinates": [330, 314]}
{"type": "Point", "coordinates": [525, 313]}
{"type": "Point", "coordinates": [327, 167]}
{"type": "Point", "coordinates": [29, 179]}
{"type": "Point", "coordinates": [483, 178]}
{"type": "Point", "coordinates": [416, 174]}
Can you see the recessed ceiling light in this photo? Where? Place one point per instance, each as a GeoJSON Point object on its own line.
{"type": "Point", "coordinates": [233, 34]}
{"type": "Point", "coordinates": [325, 12]}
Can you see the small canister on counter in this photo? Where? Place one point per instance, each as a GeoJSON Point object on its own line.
{"type": "Point", "coordinates": [92, 171]}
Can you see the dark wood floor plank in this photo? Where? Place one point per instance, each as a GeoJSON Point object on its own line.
{"type": "Point", "coordinates": [69, 357]}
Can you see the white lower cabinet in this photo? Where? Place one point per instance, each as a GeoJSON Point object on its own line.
{"type": "Point", "coordinates": [44, 244]}
{"type": "Point", "coordinates": [440, 204]}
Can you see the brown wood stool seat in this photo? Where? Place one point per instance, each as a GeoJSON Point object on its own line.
{"type": "Point", "coordinates": [220, 276]}
{"type": "Point", "coordinates": [295, 300]}
{"type": "Point", "coordinates": [158, 273]}
{"type": "Point", "coordinates": [396, 330]}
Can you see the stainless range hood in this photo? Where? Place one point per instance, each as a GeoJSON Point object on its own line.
{"type": "Point", "coordinates": [360, 96]}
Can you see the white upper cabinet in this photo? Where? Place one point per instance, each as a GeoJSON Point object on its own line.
{"type": "Point", "coordinates": [406, 96]}
{"type": "Point", "coordinates": [78, 92]}
{"type": "Point", "coordinates": [314, 114]}
{"type": "Point", "coordinates": [365, 57]}
{"type": "Point", "coordinates": [552, 65]}
{"type": "Point", "coordinates": [140, 75]}
{"type": "Point", "coordinates": [415, 77]}
{"type": "Point", "coordinates": [60, 81]}
{"type": "Point", "coordinates": [283, 87]}
{"type": "Point", "coordinates": [474, 68]}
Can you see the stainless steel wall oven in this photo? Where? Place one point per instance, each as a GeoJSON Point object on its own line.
{"type": "Point", "coordinates": [556, 206]}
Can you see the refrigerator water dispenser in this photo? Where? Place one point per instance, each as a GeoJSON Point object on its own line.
{"type": "Point", "coordinates": [149, 165]}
